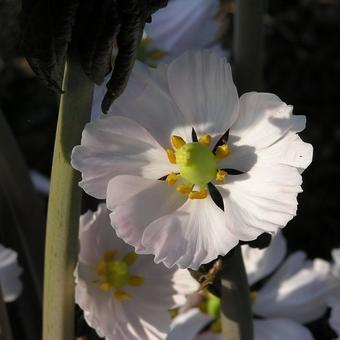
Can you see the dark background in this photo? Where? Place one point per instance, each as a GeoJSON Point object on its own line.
{"type": "Point", "coordinates": [302, 66]}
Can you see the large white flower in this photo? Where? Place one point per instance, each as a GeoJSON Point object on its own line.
{"type": "Point", "coordinates": [144, 159]}
{"type": "Point", "coordinates": [183, 25]}
{"type": "Point", "coordinates": [10, 283]}
{"type": "Point", "coordinates": [124, 295]}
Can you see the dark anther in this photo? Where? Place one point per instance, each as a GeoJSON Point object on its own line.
{"type": "Point", "coordinates": [216, 196]}
{"type": "Point", "coordinates": [222, 140]}
{"type": "Point", "coordinates": [50, 29]}
{"type": "Point", "coordinates": [194, 135]}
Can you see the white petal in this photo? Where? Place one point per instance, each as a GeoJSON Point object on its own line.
{"type": "Point", "coordinates": [202, 87]}
{"type": "Point", "coordinates": [334, 320]}
{"type": "Point", "coordinates": [280, 329]}
{"type": "Point", "coordinates": [261, 262]}
{"type": "Point", "coordinates": [136, 202]}
{"type": "Point", "coordinates": [188, 325]}
{"type": "Point", "coordinates": [265, 134]}
{"type": "Point", "coordinates": [298, 290]}
{"type": "Point", "coordinates": [194, 234]}
{"type": "Point", "coordinates": [112, 146]}
{"type": "Point", "coordinates": [262, 200]}
{"type": "Point", "coordinates": [183, 25]}
{"type": "Point", "coordinates": [10, 283]}
{"type": "Point", "coordinates": [96, 236]}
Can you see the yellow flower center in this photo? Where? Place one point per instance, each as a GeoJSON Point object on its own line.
{"type": "Point", "coordinates": [114, 274]}
{"type": "Point", "coordinates": [198, 165]}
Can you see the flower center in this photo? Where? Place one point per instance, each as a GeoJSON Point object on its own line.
{"type": "Point", "coordinates": [114, 274]}
{"type": "Point", "coordinates": [197, 163]}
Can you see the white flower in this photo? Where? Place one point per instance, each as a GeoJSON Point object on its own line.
{"type": "Point", "coordinates": [10, 283]}
{"type": "Point", "coordinates": [189, 325]}
{"type": "Point", "coordinates": [298, 290]}
{"type": "Point", "coordinates": [124, 295]}
{"type": "Point", "coordinates": [147, 137]}
{"type": "Point", "coordinates": [334, 320]}
{"type": "Point", "coordinates": [184, 25]}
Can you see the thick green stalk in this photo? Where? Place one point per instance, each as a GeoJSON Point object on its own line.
{"type": "Point", "coordinates": [236, 314]}
{"type": "Point", "coordinates": [248, 44]}
{"type": "Point", "coordinates": [64, 207]}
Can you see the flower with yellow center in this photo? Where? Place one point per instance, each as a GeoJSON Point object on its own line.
{"type": "Point", "coordinates": [124, 295]}
{"type": "Point", "coordinates": [187, 168]}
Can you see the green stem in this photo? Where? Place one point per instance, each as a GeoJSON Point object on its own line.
{"type": "Point", "coordinates": [236, 314]}
{"type": "Point", "coordinates": [248, 45]}
{"type": "Point", "coordinates": [64, 207]}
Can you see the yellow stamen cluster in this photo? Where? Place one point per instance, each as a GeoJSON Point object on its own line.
{"type": "Point", "coordinates": [197, 164]}
{"type": "Point", "coordinates": [114, 274]}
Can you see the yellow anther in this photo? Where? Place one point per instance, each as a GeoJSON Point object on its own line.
{"type": "Point", "coordinates": [198, 194]}
{"type": "Point", "coordinates": [216, 326]}
{"type": "Point", "coordinates": [120, 295]}
{"type": "Point", "coordinates": [109, 255]}
{"type": "Point", "coordinates": [205, 139]}
{"type": "Point", "coordinates": [171, 156]}
{"type": "Point", "coordinates": [105, 286]}
{"type": "Point", "coordinates": [173, 312]}
{"type": "Point", "coordinates": [130, 258]}
{"type": "Point", "coordinates": [222, 151]}
{"type": "Point", "coordinates": [171, 178]}
{"type": "Point", "coordinates": [136, 281]}
{"type": "Point", "coordinates": [177, 141]}
{"type": "Point", "coordinates": [184, 189]}
{"type": "Point", "coordinates": [220, 175]}
{"type": "Point", "coordinates": [202, 306]}
{"type": "Point", "coordinates": [101, 268]}
{"type": "Point", "coordinates": [252, 296]}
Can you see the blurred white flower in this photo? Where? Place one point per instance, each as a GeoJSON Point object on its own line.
{"type": "Point", "coordinates": [334, 320]}
{"type": "Point", "coordinates": [10, 283]}
{"type": "Point", "coordinates": [298, 292]}
{"type": "Point", "coordinates": [184, 25]}
{"type": "Point", "coordinates": [144, 159]}
{"type": "Point", "coordinates": [124, 295]}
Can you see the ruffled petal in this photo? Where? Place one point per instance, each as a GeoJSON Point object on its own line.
{"type": "Point", "coordinates": [188, 325]}
{"type": "Point", "coordinates": [265, 134]}
{"type": "Point", "coordinates": [298, 290]}
{"type": "Point", "coordinates": [112, 146]}
{"type": "Point", "coordinates": [263, 200]}
{"type": "Point", "coordinates": [136, 202]}
{"type": "Point", "coordinates": [194, 234]}
{"type": "Point", "coordinates": [336, 264]}
{"type": "Point", "coordinates": [183, 25]}
{"type": "Point", "coordinates": [280, 329]}
{"type": "Point", "coordinates": [261, 262]}
{"type": "Point", "coordinates": [202, 87]}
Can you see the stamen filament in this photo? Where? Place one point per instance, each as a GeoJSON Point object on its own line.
{"type": "Point", "coordinates": [171, 178]}
{"type": "Point", "coordinates": [171, 156]}
{"type": "Point", "coordinates": [222, 151]}
{"type": "Point", "coordinates": [198, 194]}
{"type": "Point", "coordinates": [205, 139]}
{"type": "Point", "coordinates": [136, 281]}
{"type": "Point", "coordinates": [220, 175]}
{"type": "Point", "coordinates": [120, 295]}
{"type": "Point", "coordinates": [184, 189]}
{"type": "Point", "coordinates": [130, 258]}
{"type": "Point", "coordinates": [177, 141]}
